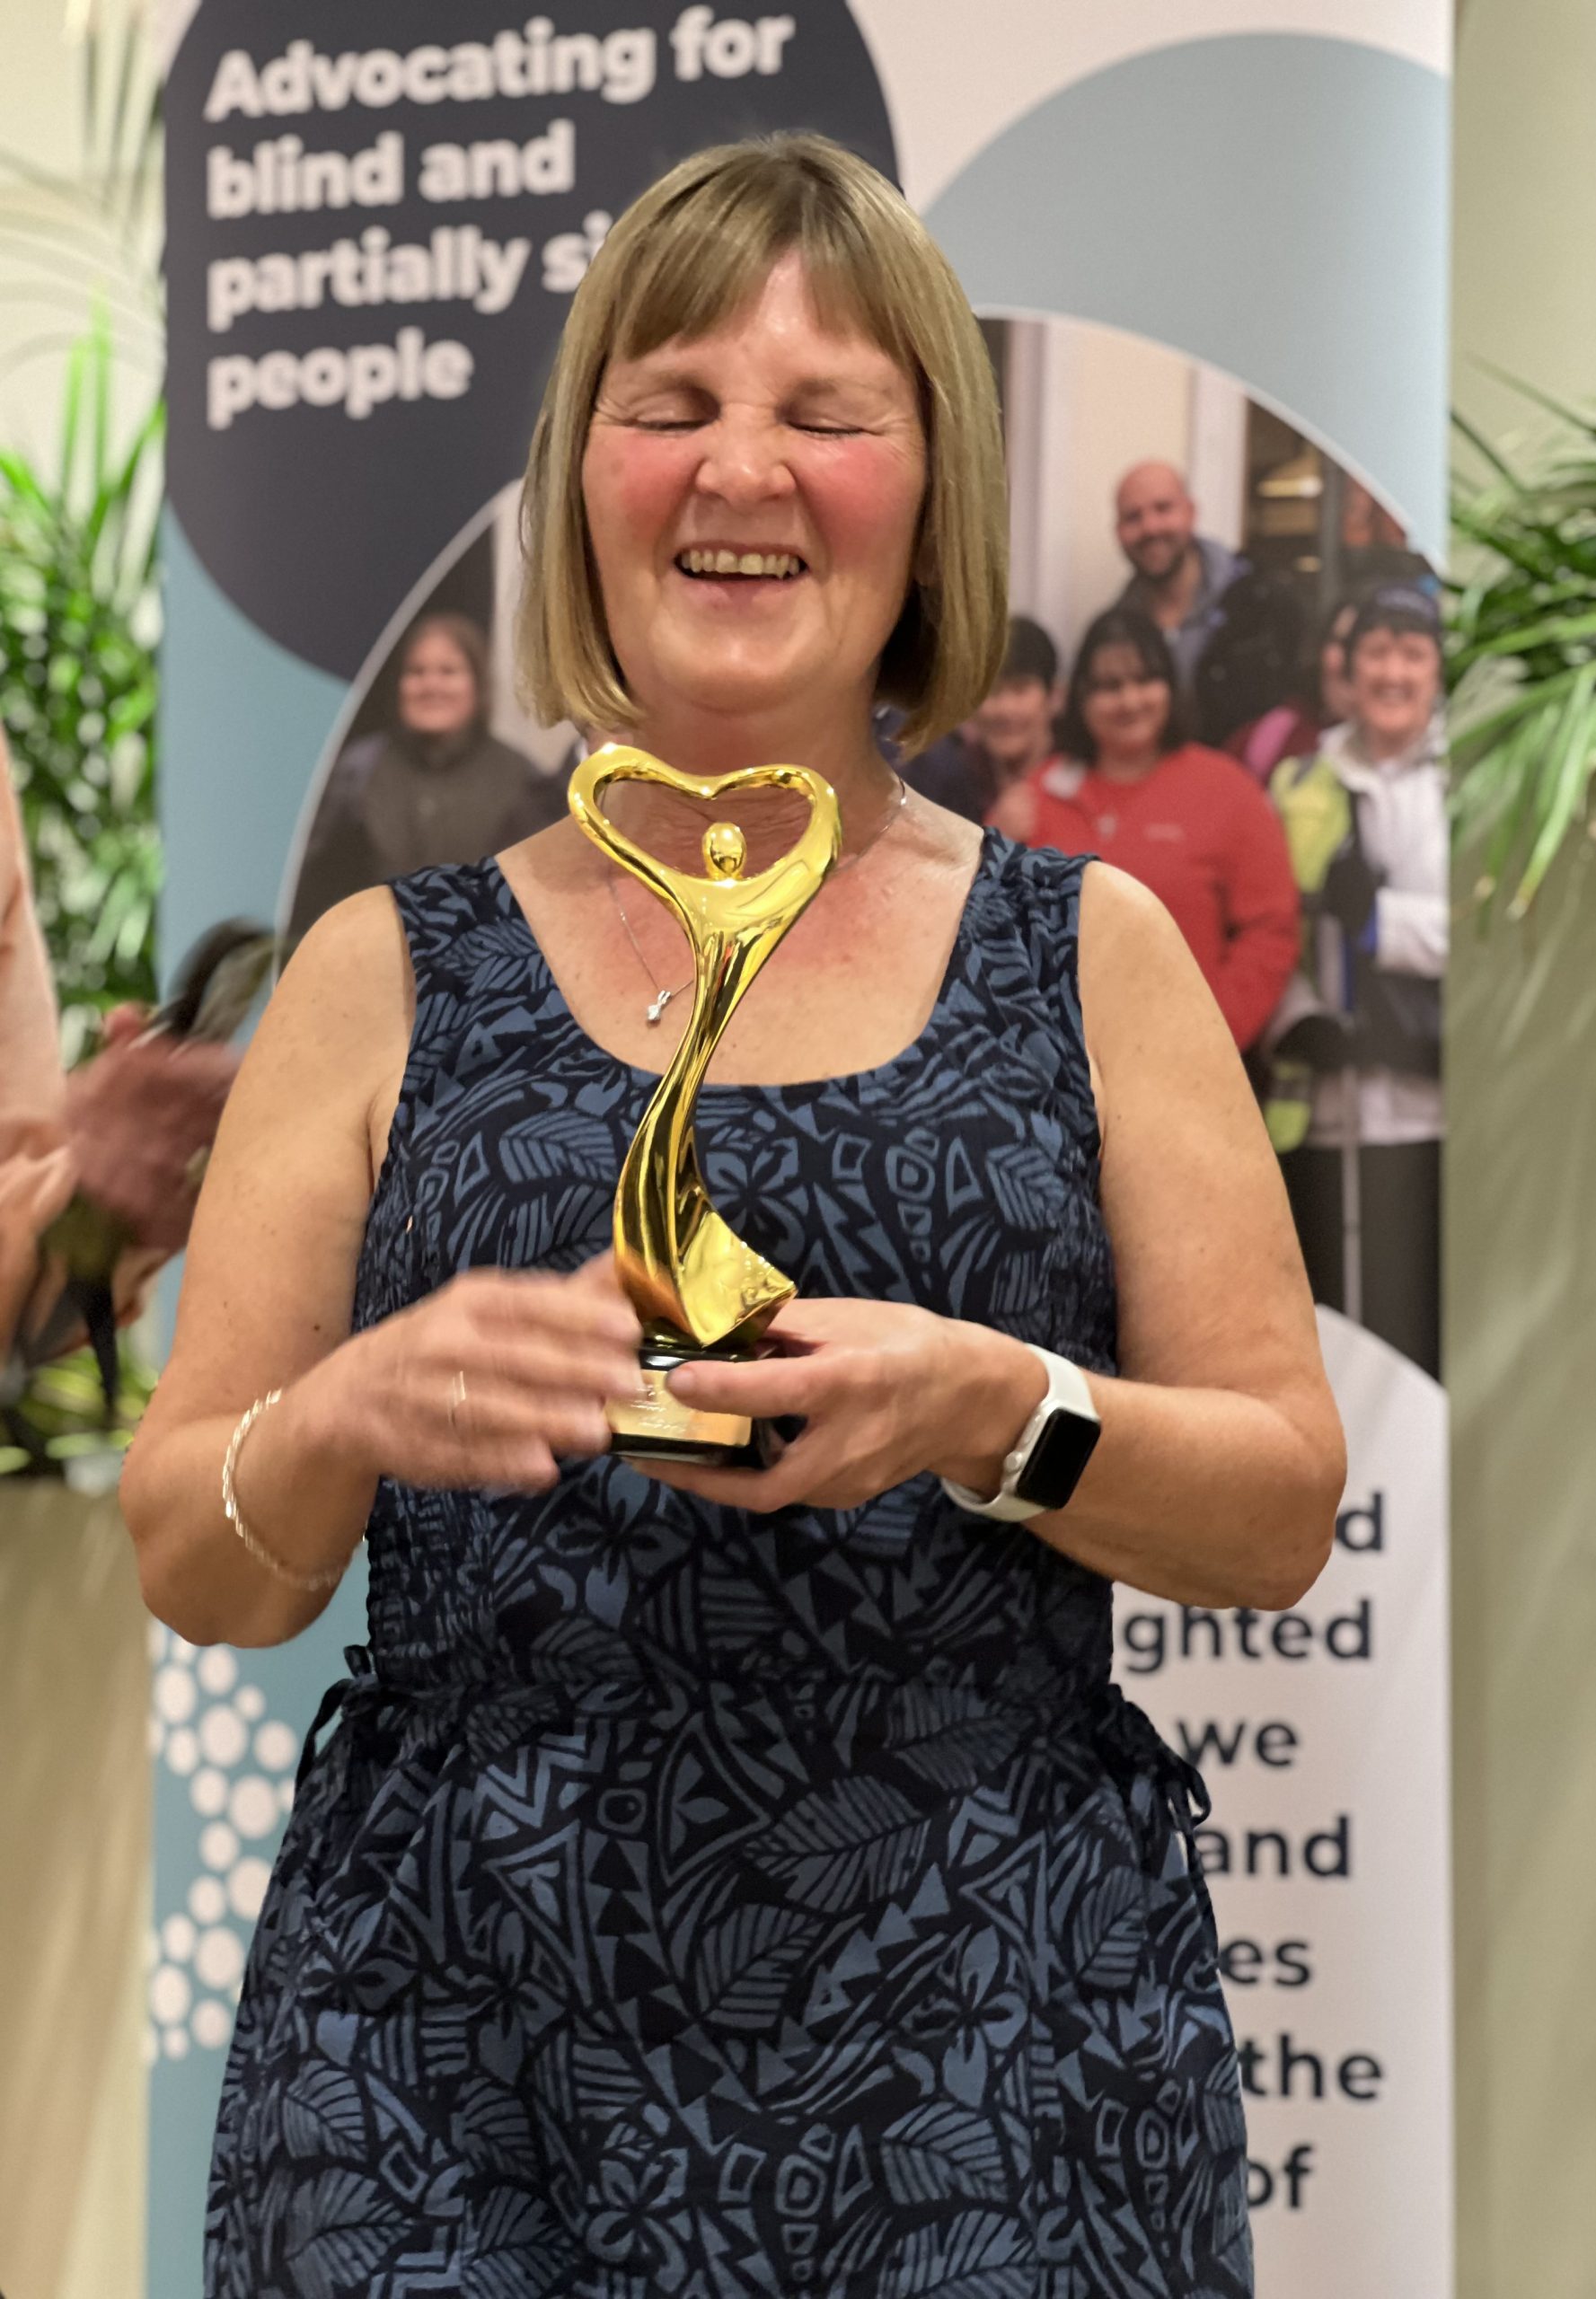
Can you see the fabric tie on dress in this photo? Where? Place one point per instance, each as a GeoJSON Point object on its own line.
{"type": "Point", "coordinates": [359, 1688]}
{"type": "Point", "coordinates": [1134, 1755]}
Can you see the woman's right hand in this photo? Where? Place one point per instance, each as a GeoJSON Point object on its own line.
{"type": "Point", "coordinates": [486, 1381]}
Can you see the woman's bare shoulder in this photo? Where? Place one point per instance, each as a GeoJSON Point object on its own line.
{"type": "Point", "coordinates": [1140, 988]}
{"type": "Point", "coordinates": [349, 979]}
{"type": "Point", "coordinates": [1123, 922]}
{"type": "Point", "coordinates": [331, 1045]}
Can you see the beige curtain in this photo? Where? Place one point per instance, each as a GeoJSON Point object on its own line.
{"type": "Point", "coordinates": [74, 1828]}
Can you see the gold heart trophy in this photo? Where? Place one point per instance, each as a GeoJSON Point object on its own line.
{"type": "Point", "coordinates": [699, 1289]}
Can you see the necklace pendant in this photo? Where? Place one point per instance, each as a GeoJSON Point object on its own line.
{"type": "Point", "coordinates": [657, 1006]}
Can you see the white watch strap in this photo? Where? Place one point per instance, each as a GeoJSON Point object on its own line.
{"type": "Point", "coordinates": [1067, 1385]}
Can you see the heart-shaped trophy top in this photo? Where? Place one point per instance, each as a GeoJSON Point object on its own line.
{"type": "Point", "coordinates": [691, 1279]}
{"type": "Point", "coordinates": [723, 897]}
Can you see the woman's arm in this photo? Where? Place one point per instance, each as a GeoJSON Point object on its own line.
{"type": "Point", "coordinates": [267, 1295]}
{"type": "Point", "coordinates": [266, 1304]}
{"type": "Point", "coordinates": [1220, 1464]}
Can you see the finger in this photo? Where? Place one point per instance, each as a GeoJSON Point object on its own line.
{"type": "Point", "coordinates": [123, 1024]}
{"type": "Point", "coordinates": [599, 1369]}
{"type": "Point", "coordinates": [810, 1321]}
{"type": "Point", "coordinates": [563, 1304]}
{"type": "Point", "coordinates": [512, 1468]}
{"type": "Point", "coordinates": [599, 1274]}
{"type": "Point", "coordinates": [761, 1492]}
{"type": "Point", "coordinates": [495, 1414]}
{"type": "Point", "coordinates": [766, 1388]}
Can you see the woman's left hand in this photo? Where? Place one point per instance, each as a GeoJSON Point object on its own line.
{"type": "Point", "coordinates": [886, 1391]}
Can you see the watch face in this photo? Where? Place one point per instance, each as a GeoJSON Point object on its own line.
{"type": "Point", "coordinates": [1060, 1453]}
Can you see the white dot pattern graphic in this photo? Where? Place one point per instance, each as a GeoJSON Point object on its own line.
{"type": "Point", "coordinates": [176, 1696]}
{"type": "Point", "coordinates": [211, 1729]}
{"type": "Point", "coordinates": [219, 1960]}
{"type": "Point", "coordinates": [212, 2025]}
{"type": "Point", "coordinates": [276, 1748]}
{"type": "Point", "coordinates": [223, 1735]}
{"type": "Point", "coordinates": [246, 1887]}
{"type": "Point", "coordinates": [218, 1671]}
{"type": "Point", "coordinates": [171, 1992]}
{"type": "Point", "coordinates": [252, 1807]}
{"type": "Point", "coordinates": [177, 1938]}
{"type": "Point", "coordinates": [207, 1792]}
{"type": "Point", "coordinates": [218, 1845]}
{"type": "Point", "coordinates": [207, 1899]}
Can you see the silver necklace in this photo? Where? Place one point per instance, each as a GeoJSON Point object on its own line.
{"type": "Point", "coordinates": [653, 1013]}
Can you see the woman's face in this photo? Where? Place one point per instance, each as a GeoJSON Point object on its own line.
{"type": "Point", "coordinates": [1395, 685]}
{"type": "Point", "coordinates": [437, 688]}
{"type": "Point", "coordinates": [1125, 706]}
{"type": "Point", "coordinates": [753, 499]}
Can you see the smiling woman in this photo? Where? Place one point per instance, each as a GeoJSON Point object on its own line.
{"type": "Point", "coordinates": [733, 1864]}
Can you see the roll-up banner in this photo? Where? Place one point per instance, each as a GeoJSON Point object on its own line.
{"type": "Point", "coordinates": [1206, 239]}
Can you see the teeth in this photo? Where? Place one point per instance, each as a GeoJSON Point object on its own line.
{"type": "Point", "coordinates": [779, 564]}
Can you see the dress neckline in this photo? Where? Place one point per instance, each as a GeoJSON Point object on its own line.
{"type": "Point", "coordinates": [510, 906]}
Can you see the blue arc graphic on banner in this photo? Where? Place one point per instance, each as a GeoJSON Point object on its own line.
{"type": "Point", "coordinates": [1159, 194]}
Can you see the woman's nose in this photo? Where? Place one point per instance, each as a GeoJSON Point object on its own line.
{"type": "Point", "coordinates": [744, 461]}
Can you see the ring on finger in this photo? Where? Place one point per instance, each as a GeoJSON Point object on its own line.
{"type": "Point", "coordinates": [456, 1399]}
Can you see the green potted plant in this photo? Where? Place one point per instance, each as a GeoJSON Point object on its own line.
{"type": "Point", "coordinates": [1522, 659]}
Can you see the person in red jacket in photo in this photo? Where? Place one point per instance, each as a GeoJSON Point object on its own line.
{"type": "Point", "coordinates": [1187, 821]}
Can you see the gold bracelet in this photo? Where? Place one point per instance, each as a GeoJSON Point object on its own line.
{"type": "Point", "coordinates": [258, 1548]}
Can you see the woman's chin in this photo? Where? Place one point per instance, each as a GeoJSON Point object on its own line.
{"type": "Point", "coordinates": [722, 693]}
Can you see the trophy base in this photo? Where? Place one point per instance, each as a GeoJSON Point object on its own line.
{"type": "Point", "coordinates": [659, 1427]}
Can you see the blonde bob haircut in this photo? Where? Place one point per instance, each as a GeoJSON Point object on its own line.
{"type": "Point", "coordinates": [687, 257]}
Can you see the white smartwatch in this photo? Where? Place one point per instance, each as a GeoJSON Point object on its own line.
{"type": "Point", "coordinates": [1043, 1467]}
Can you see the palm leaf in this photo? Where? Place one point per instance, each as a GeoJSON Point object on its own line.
{"type": "Point", "coordinates": [1559, 408]}
{"type": "Point", "coordinates": [127, 69]}
{"type": "Point", "coordinates": [1482, 447]}
{"type": "Point", "coordinates": [1564, 785]}
{"type": "Point", "coordinates": [1525, 620]}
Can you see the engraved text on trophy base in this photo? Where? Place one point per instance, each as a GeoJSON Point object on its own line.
{"type": "Point", "coordinates": [658, 1426]}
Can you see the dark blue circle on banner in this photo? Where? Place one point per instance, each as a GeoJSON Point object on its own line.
{"type": "Point", "coordinates": [371, 241]}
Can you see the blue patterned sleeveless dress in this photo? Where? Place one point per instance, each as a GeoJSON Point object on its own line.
{"type": "Point", "coordinates": [694, 1905]}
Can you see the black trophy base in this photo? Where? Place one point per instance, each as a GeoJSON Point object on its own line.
{"type": "Point", "coordinates": [660, 1427]}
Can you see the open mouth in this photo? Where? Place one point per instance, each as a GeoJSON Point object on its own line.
{"type": "Point", "coordinates": [741, 565]}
